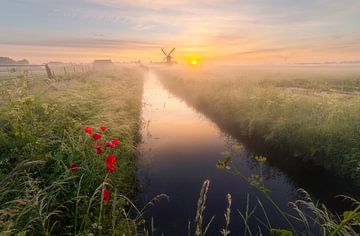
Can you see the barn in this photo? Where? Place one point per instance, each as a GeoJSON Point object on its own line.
{"type": "Point", "coordinates": [103, 65]}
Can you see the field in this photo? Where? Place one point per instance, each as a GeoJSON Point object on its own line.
{"type": "Point", "coordinates": [69, 145]}
{"type": "Point", "coordinates": [312, 113]}
{"type": "Point", "coordinates": [57, 174]}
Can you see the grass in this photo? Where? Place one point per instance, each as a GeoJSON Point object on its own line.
{"type": "Point", "coordinates": [312, 218]}
{"type": "Point", "coordinates": [315, 218]}
{"type": "Point", "coordinates": [311, 113]}
{"type": "Point", "coordinates": [52, 180]}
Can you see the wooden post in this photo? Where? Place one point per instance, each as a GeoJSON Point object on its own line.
{"type": "Point", "coordinates": [48, 71]}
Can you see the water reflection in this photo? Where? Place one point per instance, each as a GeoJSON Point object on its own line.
{"type": "Point", "coordinates": [179, 150]}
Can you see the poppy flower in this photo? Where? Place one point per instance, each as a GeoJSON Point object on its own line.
{"type": "Point", "coordinates": [106, 195]}
{"type": "Point", "coordinates": [115, 141]}
{"type": "Point", "coordinates": [99, 149]}
{"type": "Point", "coordinates": [109, 144]}
{"type": "Point", "coordinates": [97, 136]}
{"type": "Point", "coordinates": [103, 128]}
{"type": "Point", "coordinates": [72, 167]}
{"type": "Point", "coordinates": [110, 163]}
{"type": "Point", "coordinates": [88, 130]}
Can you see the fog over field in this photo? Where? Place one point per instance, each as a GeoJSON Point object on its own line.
{"type": "Point", "coordinates": [180, 117]}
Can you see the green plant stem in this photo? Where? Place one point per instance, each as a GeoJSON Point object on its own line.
{"type": "Point", "coordinates": [345, 221]}
{"type": "Point", "coordinates": [280, 212]}
{"type": "Point", "coordinates": [77, 203]}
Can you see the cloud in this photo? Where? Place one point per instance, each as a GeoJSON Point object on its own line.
{"type": "Point", "coordinates": [231, 28]}
{"type": "Point", "coordinates": [83, 43]}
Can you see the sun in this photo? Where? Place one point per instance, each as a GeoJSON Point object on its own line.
{"type": "Point", "coordinates": [194, 60]}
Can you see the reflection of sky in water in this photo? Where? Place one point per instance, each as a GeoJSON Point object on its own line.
{"type": "Point", "coordinates": [179, 151]}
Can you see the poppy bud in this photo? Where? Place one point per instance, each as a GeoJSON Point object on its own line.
{"type": "Point", "coordinates": [106, 195]}
{"type": "Point", "coordinates": [88, 130]}
{"type": "Point", "coordinates": [97, 136]}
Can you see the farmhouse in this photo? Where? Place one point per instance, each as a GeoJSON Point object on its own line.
{"type": "Point", "coordinates": [103, 65]}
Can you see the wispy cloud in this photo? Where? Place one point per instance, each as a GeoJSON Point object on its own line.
{"type": "Point", "coordinates": [83, 43]}
{"type": "Point", "coordinates": [235, 29]}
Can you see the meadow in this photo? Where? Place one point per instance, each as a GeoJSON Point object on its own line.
{"type": "Point", "coordinates": [311, 113]}
{"type": "Point", "coordinates": [68, 145]}
{"type": "Point", "coordinates": [67, 153]}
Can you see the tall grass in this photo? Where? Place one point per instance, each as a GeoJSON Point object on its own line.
{"type": "Point", "coordinates": [42, 136]}
{"type": "Point", "coordinates": [312, 114]}
{"type": "Point", "coordinates": [315, 217]}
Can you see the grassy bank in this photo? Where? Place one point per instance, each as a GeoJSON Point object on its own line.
{"type": "Point", "coordinates": [312, 113]}
{"type": "Point", "coordinates": [58, 177]}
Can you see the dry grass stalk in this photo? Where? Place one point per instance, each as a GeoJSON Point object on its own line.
{"type": "Point", "coordinates": [201, 208]}
{"type": "Point", "coordinates": [225, 231]}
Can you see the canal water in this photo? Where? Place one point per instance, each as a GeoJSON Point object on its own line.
{"type": "Point", "coordinates": [179, 151]}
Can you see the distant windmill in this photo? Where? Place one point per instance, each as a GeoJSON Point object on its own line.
{"type": "Point", "coordinates": [168, 58]}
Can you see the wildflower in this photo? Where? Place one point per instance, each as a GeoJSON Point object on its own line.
{"type": "Point", "coordinates": [88, 130]}
{"type": "Point", "coordinates": [109, 144]}
{"type": "Point", "coordinates": [99, 149]}
{"type": "Point", "coordinates": [115, 141]}
{"type": "Point", "coordinates": [106, 195]}
{"type": "Point", "coordinates": [236, 147]}
{"type": "Point", "coordinates": [72, 167]}
{"type": "Point", "coordinates": [221, 164]}
{"type": "Point", "coordinates": [226, 154]}
{"type": "Point", "coordinates": [260, 158]}
{"type": "Point", "coordinates": [110, 163]}
{"type": "Point", "coordinates": [103, 128]}
{"type": "Point", "coordinates": [97, 136]}
{"type": "Point", "coordinates": [258, 182]}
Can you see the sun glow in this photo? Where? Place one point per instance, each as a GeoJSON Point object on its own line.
{"type": "Point", "coordinates": [194, 60]}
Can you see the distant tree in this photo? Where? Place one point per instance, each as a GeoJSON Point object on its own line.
{"type": "Point", "coordinates": [9, 61]}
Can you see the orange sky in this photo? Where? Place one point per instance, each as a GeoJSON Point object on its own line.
{"type": "Point", "coordinates": [227, 31]}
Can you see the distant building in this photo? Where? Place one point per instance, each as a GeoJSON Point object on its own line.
{"type": "Point", "coordinates": [103, 65]}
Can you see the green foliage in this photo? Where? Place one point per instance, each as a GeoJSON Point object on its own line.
{"type": "Point", "coordinates": [281, 232]}
{"type": "Point", "coordinates": [314, 115]}
{"type": "Point", "coordinates": [42, 131]}
{"type": "Point", "coordinates": [305, 210]}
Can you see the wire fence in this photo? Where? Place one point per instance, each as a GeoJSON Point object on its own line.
{"type": "Point", "coordinates": [42, 71]}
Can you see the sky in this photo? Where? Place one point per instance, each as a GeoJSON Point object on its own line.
{"type": "Point", "coordinates": [216, 31]}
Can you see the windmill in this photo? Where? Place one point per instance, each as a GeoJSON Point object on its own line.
{"type": "Point", "coordinates": [168, 59]}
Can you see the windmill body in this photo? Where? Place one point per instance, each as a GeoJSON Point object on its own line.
{"type": "Point", "coordinates": [168, 59]}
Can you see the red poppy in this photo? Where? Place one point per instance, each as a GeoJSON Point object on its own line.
{"type": "Point", "coordinates": [72, 167]}
{"type": "Point", "coordinates": [106, 195]}
{"type": "Point", "coordinates": [109, 144]}
{"type": "Point", "coordinates": [103, 128]}
{"type": "Point", "coordinates": [97, 136]}
{"type": "Point", "coordinates": [110, 163]}
{"type": "Point", "coordinates": [115, 141]}
{"type": "Point", "coordinates": [99, 149]}
{"type": "Point", "coordinates": [88, 130]}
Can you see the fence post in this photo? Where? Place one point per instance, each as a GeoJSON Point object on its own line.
{"type": "Point", "coordinates": [48, 71]}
